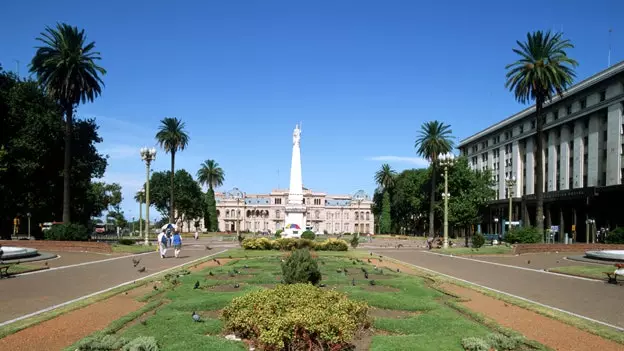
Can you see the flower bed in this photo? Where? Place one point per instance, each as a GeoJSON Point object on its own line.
{"type": "Point", "coordinates": [288, 244]}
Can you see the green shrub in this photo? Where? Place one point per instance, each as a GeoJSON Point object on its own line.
{"type": "Point", "coordinates": [284, 244]}
{"type": "Point", "coordinates": [278, 234]}
{"type": "Point", "coordinates": [142, 343]}
{"type": "Point", "coordinates": [332, 244]}
{"type": "Point", "coordinates": [126, 242]}
{"type": "Point", "coordinates": [300, 267]}
{"type": "Point", "coordinates": [308, 234]}
{"type": "Point", "coordinates": [67, 232]}
{"type": "Point", "coordinates": [502, 342]}
{"type": "Point", "coordinates": [355, 241]}
{"type": "Point", "coordinates": [292, 317]}
{"type": "Point", "coordinates": [257, 244]}
{"type": "Point", "coordinates": [475, 344]}
{"type": "Point", "coordinates": [615, 236]}
{"type": "Point", "coordinates": [523, 235]}
{"type": "Point", "coordinates": [305, 244]}
{"type": "Point", "coordinates": [347, 233]}
{"type": "Point", "coordinates": [289, 244]}
{"type": "Point", "coordinates": [106, 342]}
{"type": "Point", "coordinates": [478, 240]}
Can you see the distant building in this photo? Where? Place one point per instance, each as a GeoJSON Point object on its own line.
{"type": "Point", "coordinates": [266, 212]}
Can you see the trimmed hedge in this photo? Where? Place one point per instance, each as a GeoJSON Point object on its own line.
{"type": "Point", "coordinates": [308, 234]}
{"type": "Point", "coordinates": [67, 232]}
{"type": "Point", "coordinates": [296, 317]}
{"type": "Point", "coordinates": [289, 244]}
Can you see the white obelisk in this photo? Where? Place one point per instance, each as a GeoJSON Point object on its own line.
{"type": "Point", "coordinates": [295, 209]}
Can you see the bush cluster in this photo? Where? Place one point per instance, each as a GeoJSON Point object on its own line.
{"type": "Point", "coordinates": [355, 241]}
{"type": "Point", "coordinates": [67, 232]}
{"type": "Point", "coordinates": [478, 240]}
{"type": "Point", "coordinates": [523, 235]}
{"type": "Point", "coordinates": [126, 241]}
{"type": "Point", "coordinates": [308, 234]}
{"type": "Point", "coordinates": [615, 236]}
{"type": "Point", "coordinates": [300, 267]}
{"type": "Point", "coordinates": [296, 317]}
{"type": "Point", "coordinates": [114, 343]}
{"type": "Point", "coordinates": [493, 341]}
{"type": "Point", "coordinates": [288, 244]}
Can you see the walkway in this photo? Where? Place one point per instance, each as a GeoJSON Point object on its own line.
{"type": "Point", "coordinates": [32, 292]}
{"type": "Point", "coordinates": [593, 299]}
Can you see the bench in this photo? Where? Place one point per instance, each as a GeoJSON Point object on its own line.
{"type": "Point", "coordinates": [4, 271]}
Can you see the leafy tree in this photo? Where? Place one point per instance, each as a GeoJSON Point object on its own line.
{"type": "Point", "coordinates": [385, 176]}
{"type": "Point", "coordinates": [542, 71]}
{"type": "Point", "coordinates": [385, 219]}
{"type": "Point", "coordinates": [66, 68]}
{"type": "Point", "coordinates": [434, 139]}
{"type": "Point", "coordinates": [172, 138]}
{"type": "Point", "coordinates": [409, 199]}
{"type": "Point", "coordinates": [212, 175]}
{"type": "Point", "coordinates": [188, 194]}
{"type": "Point", "coordinates": [385, 179]}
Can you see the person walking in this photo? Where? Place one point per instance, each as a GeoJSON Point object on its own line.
{"type": "Point", "coordinates": [162, 243]}
{"type": "Point", "coordinates": [177, 243]}
{"type": "Point", "coordinates": [196, 234]}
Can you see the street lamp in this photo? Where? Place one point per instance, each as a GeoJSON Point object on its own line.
{"type": "Point", "coordinates": [148, 155]}
{"type": "Point", "coordinates": [446, 161]}
{"type": "Point", "coordinates": [510, 182]}
{"type": "Point", "coordinates": [496, 225]}
{"type": "Point", "coordinates": [141, 193]}
{"type": "Point", "coordinates": [28, 215]}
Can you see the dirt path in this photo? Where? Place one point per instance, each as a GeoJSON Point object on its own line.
{"type": "Point", "coordinates": [550, 332]}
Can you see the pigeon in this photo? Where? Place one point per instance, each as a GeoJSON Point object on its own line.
{"type": "Point", "coordinates": [529, 262]}
{"type": "Point", "coordinates": [353, 281]}
{"type": "Point", "coordinates": [369, 261]}
{"type": "Point", "coordinates": [380, 260]}
{"type": "Point", "coordinates": [381, 271]}
{"type": "Point", "coordinates": [372, 282]}
{"type": "Point", "coordinates": [380, 256]}
{"type": "Point", "coordinates": [143, 321]}
{"type": "Point", "coordinates": [345, 270]}
{"type": "Point", "coordinates": [364, 270]}
{"type": "Point", "coordinates": [196, 285]}
{"type": "Point", "coordinates": [366, 275]}
{"type": "Point", "coordinates": [210, 273]}
{"type": "Point", "coordinates": [230, 256]}
{"type": "Point", "coordinates": [155, 287]}
{"type": "Point", "coordinates": [208, 248]}
{"type": "Point", "coordinates": [245, 266]}
{"type": "Point", "coordinates": [196, 317]}
{"type": "Point", "coordinates": [46, 264]}
{"type": "Point", "coordinates": [338, 270]}
{"type": "Point", "coordinates": [371, 253]}
{"type": "Point", "coordinates": [219, 263]}
{"type": "Point", "coordinates": [136, 262]}
{"type": "Point", "coordinates": [398, 270]}
{"type": "Point", "coordinates": [354, 262]}
{"type": "Point", "coordinates": [141, 270]}
{"type": "Point", "coordinates": [236, 286]}
{"type": "Point", "coordinates": [322, 285]}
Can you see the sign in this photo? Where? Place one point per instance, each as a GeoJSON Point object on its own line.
{"type": "Point", "coordinates": [573, 227]}
{"type": "Point", "coordinates": [554, 228]}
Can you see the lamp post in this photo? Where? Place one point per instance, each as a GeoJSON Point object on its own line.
{"type": "Point", "coordinates": [141, 193]}
{"type": "Point", "coordinates": [28, 215]}
{"type": "Point", "coordinates": [510, 182]}
{"type": "Point", "coordinates": [446, 161]}
{"type": "Point", "coordinates": [148, 155]}
{"type": "Point", "coordinates": [496, 225]}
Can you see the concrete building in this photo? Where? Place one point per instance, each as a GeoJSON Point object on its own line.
{"type": "Point", "coordinates": [266, 212]}
{"type": "Point", "coordinates": [583, 151]}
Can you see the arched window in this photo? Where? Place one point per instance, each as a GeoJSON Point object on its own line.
{"type": "Point", "coordinates": [362, 215]}
{"type": "Point", "coordinates": [238, 214]}
{"type": "Point", "coordinates": [357, 216]}
{"type": "Point", "coordinates": [218, 213]}
{"type": "Point", "coordinates": [227, 213]}
{"type": "Point", "coordinates": [277, 214]}
{"type": "Point", "coordinates": [367, 215]}
{"type": "Point", "coordinates": [248, 213]}
{"type": "Point", "coordinates": [317, 214]}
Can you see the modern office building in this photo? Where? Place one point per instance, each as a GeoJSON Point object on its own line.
{"type": "Point", "coordinates": [583, 169]}
{"type": "Point", "coordinates": [266, 212]}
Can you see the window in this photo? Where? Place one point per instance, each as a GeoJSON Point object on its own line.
{"type": "Point", "coordinates": [347, 215]}
{"type": "Point", "coordinates": [317, 201]}
{"type": "Point", "coordinates": [277, 214]}
{"type": "Point", "coordinates": [304, 201]}
{"type": "Point", "coordinates": [367, 216]}
{"type": "Point", "coordinates": [277, 201]}
{"type": "Point", "coordinates": [557, 114]}
{"type": "Point", "coordinates": [603, 95]}
{"type": "Point", "coordinates": [317, 214]}
{"type": "Point", "coordinates": [521, 129]}
{"type": "Point", "coordinates": [569, 109]}
{"type": "Point", "coordinates": [357, 216]}
{"type": "Point", "coordinates": [533, 124]}
{"type": "Point", "coordinates": [583, 103]}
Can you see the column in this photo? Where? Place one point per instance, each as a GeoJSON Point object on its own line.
{"type": "Point", "coordinates": [516, 168]}
{"type": "Point", "coordinates": [551, 175]}
{"type": "Point", "coordinates": [501, 174]}
{"type": "Point", "coordinates": [564, 158]}
{"type": "Point", "coordinates": [530, 166]}
{"type": "Point", "coordinates": [614, 142]}
{"type": "Point", "coordinates": [579, 149]}
{"type": "Point", "coordinates": [562, 230]}
{"type": "Point", "coordinates": [594, 151]}
{"type": "Point", "coordinates": [490, 161]}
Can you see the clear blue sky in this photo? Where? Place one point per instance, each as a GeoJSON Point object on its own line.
{"type": "Point", "coordinates": [361, 75]}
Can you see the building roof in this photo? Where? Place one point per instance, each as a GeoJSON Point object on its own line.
{"type": "Point", "coordinates": [584, 84]}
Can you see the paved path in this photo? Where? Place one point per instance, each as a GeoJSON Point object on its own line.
{"type": "Point", "coordinates": [32, 292]}
{"type": "Point", "coordinates": [593, 299]}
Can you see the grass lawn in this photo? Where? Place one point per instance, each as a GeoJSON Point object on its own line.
{"type": "Point", "coordinates": [407, 313]}
{"type": "Point", "coordinates": [21, 268]}
{"type": "Point", "coordinates": [136, 248]}
{"type": "Point", "coordinates": [485, 250]}
{"type": "Point", "coordinates": [593, 271]}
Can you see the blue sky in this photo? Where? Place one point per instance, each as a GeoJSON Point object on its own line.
{"type": "Point", "coordinates": [361, 75]}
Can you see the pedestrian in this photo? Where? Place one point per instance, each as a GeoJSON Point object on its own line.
{"type": "Point", "coordinates": [196, 234]}
{"type": "Point", "coordinates": [177, 243]}
{"type": "Point", "coordinates": [162, 243]}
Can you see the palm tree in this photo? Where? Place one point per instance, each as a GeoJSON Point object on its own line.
{"type": "Point", "coordinates": [210, 174]}
{"type": "Point", "coordinates": [172, 138]}
{"type": "Point", "coordinates": [384, 177]}
{"type": "Point", "coordinates": [434, 139]}
{"type": "Point", "coordinates": [542, 71]}
{"type": "Point", "coordinates": [65, 66]}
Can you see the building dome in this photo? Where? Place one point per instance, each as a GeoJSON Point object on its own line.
{"type": "Point", "coordinates": [235, 193]}
{"type": "Point", "coordinates": [360, 195]}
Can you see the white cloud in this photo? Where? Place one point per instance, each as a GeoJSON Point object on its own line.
{"type": "Point", "coordinates": [417, 161]}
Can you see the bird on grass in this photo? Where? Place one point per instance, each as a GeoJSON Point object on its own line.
{"type": "Point", "coordinates": [364, 270]}
{"type": "Point", "coordinates": [136, 262]}
{"type": "Point", "coordinates": [354, 262]}
{"type": "Point", "coordinates": [398, 270]}
{"type": "Point", "coordinates": [230, 256]}
{"type": "Point", "coordinates": [529, 262]}
{"type": "Point", "coordinates": [338, 270]}
{"type": "Point", "coordinates": [143, 321]}
{"type": "Point", "coordinates": [371, 253]}
{"type": "Point", "coordinates": [141, 270]}
{"type": "Point", "coordinates": [155, 287]}
{"type": "Point", "coordinates": [369, 261]}
{"type": "Point", "coordinates": [380, 260]}
{"type": "Point", "coordinates": [210, 273]}
{"type": "Point", "coordinates": [196, 317]}
{"type": "Point", "coordinates": [218, 262]}
{"type": "Point", "coordinates": [246, 266]}
{"type": "Point", "coordinates": [196, 286]}
{"type": "Point", "coordinates": [208, 247]}
{"type": "Point", "coordinates": [345, 270]}
{"type": "Point", "coordinates": [366, 275]}
{"type": "Point", "coordinates": [322, 285]}
{"type": "Point", "coordinates": [380, 256]}
{"type": "Point", "coordinates": [322, 262]}
{"type": "Point", "coordinates": [236, 271]}
{"type": "Point", "coordinates": [236, 286]}
{"type": "Point", "coordinates": [372, 282]}
{"type": "Point", "coordinates": [353, 281]}
{"type": "Point", "coordinates": [231, 274]}
{"type": "Point", "coordinates": [381, 271]}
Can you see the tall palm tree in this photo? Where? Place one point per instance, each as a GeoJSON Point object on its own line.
{"type": "Point", "coordinates": [65, 66]}
{"type": "Point", "coordinates": [172, 138]}
{"type": "Point", "coordinates": [434, 139]}
{"type": "Point", "coordinates": [384, 177]}
{"type": "Point", "coordinates": [542, 71]}
{"type": "Point", "coordinates": [210, 174]}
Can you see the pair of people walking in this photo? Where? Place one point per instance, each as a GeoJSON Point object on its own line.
{"type": "Point", "coordinates": [166, 239]}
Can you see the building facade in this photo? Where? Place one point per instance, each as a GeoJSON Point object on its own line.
{"type": "Point", "coordinates": [582, 155]}
{"type": "Point", "coordinates": [333, 214]}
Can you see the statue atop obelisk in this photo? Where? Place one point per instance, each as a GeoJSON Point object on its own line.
{"type": "Point", "coordinates": [295, 209]}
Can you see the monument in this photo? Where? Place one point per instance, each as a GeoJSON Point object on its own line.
{"type": "Point", "coordinates": [295, 208]}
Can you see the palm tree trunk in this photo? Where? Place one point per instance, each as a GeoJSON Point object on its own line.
{"type": "Point", "coordinates": [69, 111]}
{"type": "Point", "coordinates": [539, 159]}
{"type": "Point", "coordinates": [432, 202]}
{"type": "Point", "coordinates": [171, 213]}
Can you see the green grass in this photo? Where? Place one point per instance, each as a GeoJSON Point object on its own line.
{"type": "Point", "coordinates": [433, 325]}
{"type": "Point", "coordinates": [136, 248]}
{"type": "Point", "coordinates": [22, 268]}
{"type": "Point", "coordinates": [485, 250]}
{"type": "Point", "coordinates": [593, 271]}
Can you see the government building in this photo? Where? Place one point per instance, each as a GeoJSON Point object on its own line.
{"type": "Point", "coordinates": [582, 160]}
{"type": "Point", "coordinates": [333, 214]}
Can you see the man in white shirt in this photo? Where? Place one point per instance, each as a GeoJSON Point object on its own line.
{"type": "Point", "coordinates": [162, 243]}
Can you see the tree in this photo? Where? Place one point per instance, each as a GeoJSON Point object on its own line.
{"type": "Point", "coordinates": [384, 219]}
{"type": "Point", "coordinates": [189, 195]}
{"type": "Point", "coordinates": [384, 177]}
{"type": "Point", "coordinates": [173, 138]}
{"type": "Point", "coordinates": [542, 71]}
{"type": "Point", "coordinates": [409, 199]}
{"type": "Point", "coordinates": [66, 68]}
{"type": "Point", "coordinates": [212, 175]}
{"type": "Point", "coordinates": [434, 139]}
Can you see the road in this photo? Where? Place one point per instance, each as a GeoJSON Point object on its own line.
{"type": "Point", "coordinates": [593, 299]}
{"type": "Point", "coordinates": [29, 293]}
